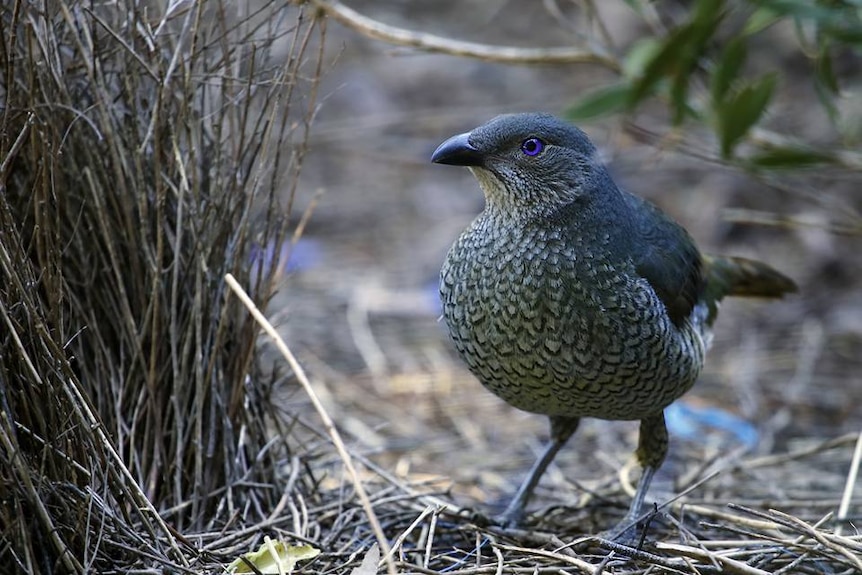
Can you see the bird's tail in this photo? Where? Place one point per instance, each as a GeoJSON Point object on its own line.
{"type": "Point", "coordinates": [732, 276]}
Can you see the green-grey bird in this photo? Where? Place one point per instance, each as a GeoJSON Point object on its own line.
{"type": "Point", "coordinates": [572, 298]}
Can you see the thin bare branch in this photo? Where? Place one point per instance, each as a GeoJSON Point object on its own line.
{"type": "Point", "coordinates": [440, 44]}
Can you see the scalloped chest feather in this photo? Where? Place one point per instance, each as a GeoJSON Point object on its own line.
{"type": "Point", "coordinates": [561, 326]}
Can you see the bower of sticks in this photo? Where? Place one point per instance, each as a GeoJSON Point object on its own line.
{"type": "Point", "coordinates": [219, 339]}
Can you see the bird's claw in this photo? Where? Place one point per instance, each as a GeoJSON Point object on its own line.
{"type": "Point", "coordinates": [509, 519]}
{"type": "Point", "coordinates": [632, 530]}
{"type": "Point", "coordinates": [625, 533]}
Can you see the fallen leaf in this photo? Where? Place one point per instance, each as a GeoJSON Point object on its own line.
{"type": "Point", "coordinates": [273, 558]}
{"type": "Point", "coordinates": [369, 562]}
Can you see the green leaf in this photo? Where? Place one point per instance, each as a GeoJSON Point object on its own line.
{"type": "Point", "coordinates": [846, 33]}
{"type": "Point", "coordinates": [708, 12]}
{"type": "Point", "coordinates": [679, 57]}
{"type": "Point", "coordinates": [742, 109]}
{"type": "Point", "coordinates": [824, 72]}
{"type": "Point", "coordinates": [759, 20]}
{"type": "Point", "coordinates": [839, 21]}
{"type": "Point", "coordinates": [602, 102]}
{"type": "Point", "coordinates": [789, 157]}
{"type": "Point", "coordinates": [639, 55]}
{"type": "Point", "coordinates": [679, 98]}
{"type": "Point", "coordinates": [635, 5]}
{"type": "Point", "coordinates": [826, 84]}
{"type": "Point", "coordinates": [802, 9]}
{"type": "Point", "coordinates": [658, 66]}
{"type": "Point", "coordinates": [727, 69]}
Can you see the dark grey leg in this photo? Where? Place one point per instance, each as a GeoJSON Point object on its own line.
{"type": "Point", "coordinates": [562, 429]}
{"type": "Point", "coordinates": [652, 449]}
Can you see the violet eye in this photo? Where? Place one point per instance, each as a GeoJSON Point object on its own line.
{"type": "Point", "coordinates": [532, 146]}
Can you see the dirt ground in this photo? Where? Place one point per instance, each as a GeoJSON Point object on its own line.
{"type": "Point", "coordinates": [359, 304]}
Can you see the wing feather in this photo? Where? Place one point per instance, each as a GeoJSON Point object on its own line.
{"type": "Point", "coordinates": [667, 257]}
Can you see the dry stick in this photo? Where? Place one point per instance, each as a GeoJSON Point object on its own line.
{"type": "Point", "coordinates": [848, 486]}
{"type": "Point", "coordinates": [719, 514]}
{"type": "Point", "coordinates": [488, 570]}
{"type": "Point", "coordinates": [736, 544]}
{"type": "Point", "coordinates": [843, 545]}
{"type": "Point", "coordinates": [786, 221]}
{"type": "Point", "coordinates": [16, 146]}
{"type": "Point", "coordinates": [82, 408]}
{"type": "Point", "coordinates": [145, 506]}
{"type": "Point", "coordinates": [728, 565]}
{"type": "Point", "coordinates": [827, 540]}
{"type": "Point", "coordinates": [429, 544]}
{"type": "Point", "coordinates": [674, 564]}
{"type": "Point", "coordinates": [500, 561]}
{"type": "Point", "coordinates": [324, 416]}
{"type": "Point", "coordinates": [399, 541]}
{"type": "Point", "coordinates": [67, 556]}
{"type": "Point", "coordinates": [770, 460]}
{"type": "Point", "coordinates": [306, 216]}
{"type": "Point", "coordinates": [580, 564]}
{"type": "Point", "coordinates": [432, 43]}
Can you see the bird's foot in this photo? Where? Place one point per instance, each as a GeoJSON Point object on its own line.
{"type": "Point", "coordinates": [509, 519]}
{"type": "Point", "coordinates": [474, 516]}
{"type": "Point", "coordinates": [632, 530]}
{"type": "Point", "coordinates": [624, 533]}
{"type": "Point", "coordinates": [514, 514]}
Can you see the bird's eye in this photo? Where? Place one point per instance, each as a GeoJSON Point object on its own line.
{"type": "Point", "coordinates": [532, 146]}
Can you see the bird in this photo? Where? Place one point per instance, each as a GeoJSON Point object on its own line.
{"type": "Point", "coordinates": [569, 297]}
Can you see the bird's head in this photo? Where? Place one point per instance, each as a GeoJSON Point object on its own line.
{"type": "Point", "coordinates": [528, 165]}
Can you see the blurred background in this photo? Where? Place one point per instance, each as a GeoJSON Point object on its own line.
{"type": "Point", "coordinates": [359, 302]}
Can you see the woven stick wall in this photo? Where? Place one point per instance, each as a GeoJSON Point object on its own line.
{"type": "Point", "coordinates": [143, 154]}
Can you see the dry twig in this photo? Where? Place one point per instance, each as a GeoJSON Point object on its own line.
{"type": "Point", "coordinates": [432, 43]}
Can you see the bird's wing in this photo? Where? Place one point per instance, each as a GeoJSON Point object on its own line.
{"type": "Point", "coordinates": [666, 256]}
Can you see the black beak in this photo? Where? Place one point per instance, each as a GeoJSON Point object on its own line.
{"type": "Point", "coordinates": [457, 151]}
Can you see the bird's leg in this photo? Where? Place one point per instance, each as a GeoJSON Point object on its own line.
{"type": "Point", "coordinates": [651, 451]}
{"type": "Point", "coordinates": [562, 429]}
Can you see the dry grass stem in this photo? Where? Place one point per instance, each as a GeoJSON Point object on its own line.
{"type": "Point", "coordinates": [852, 475]}
{"type": "Point", "coordinates": [333, 432]}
